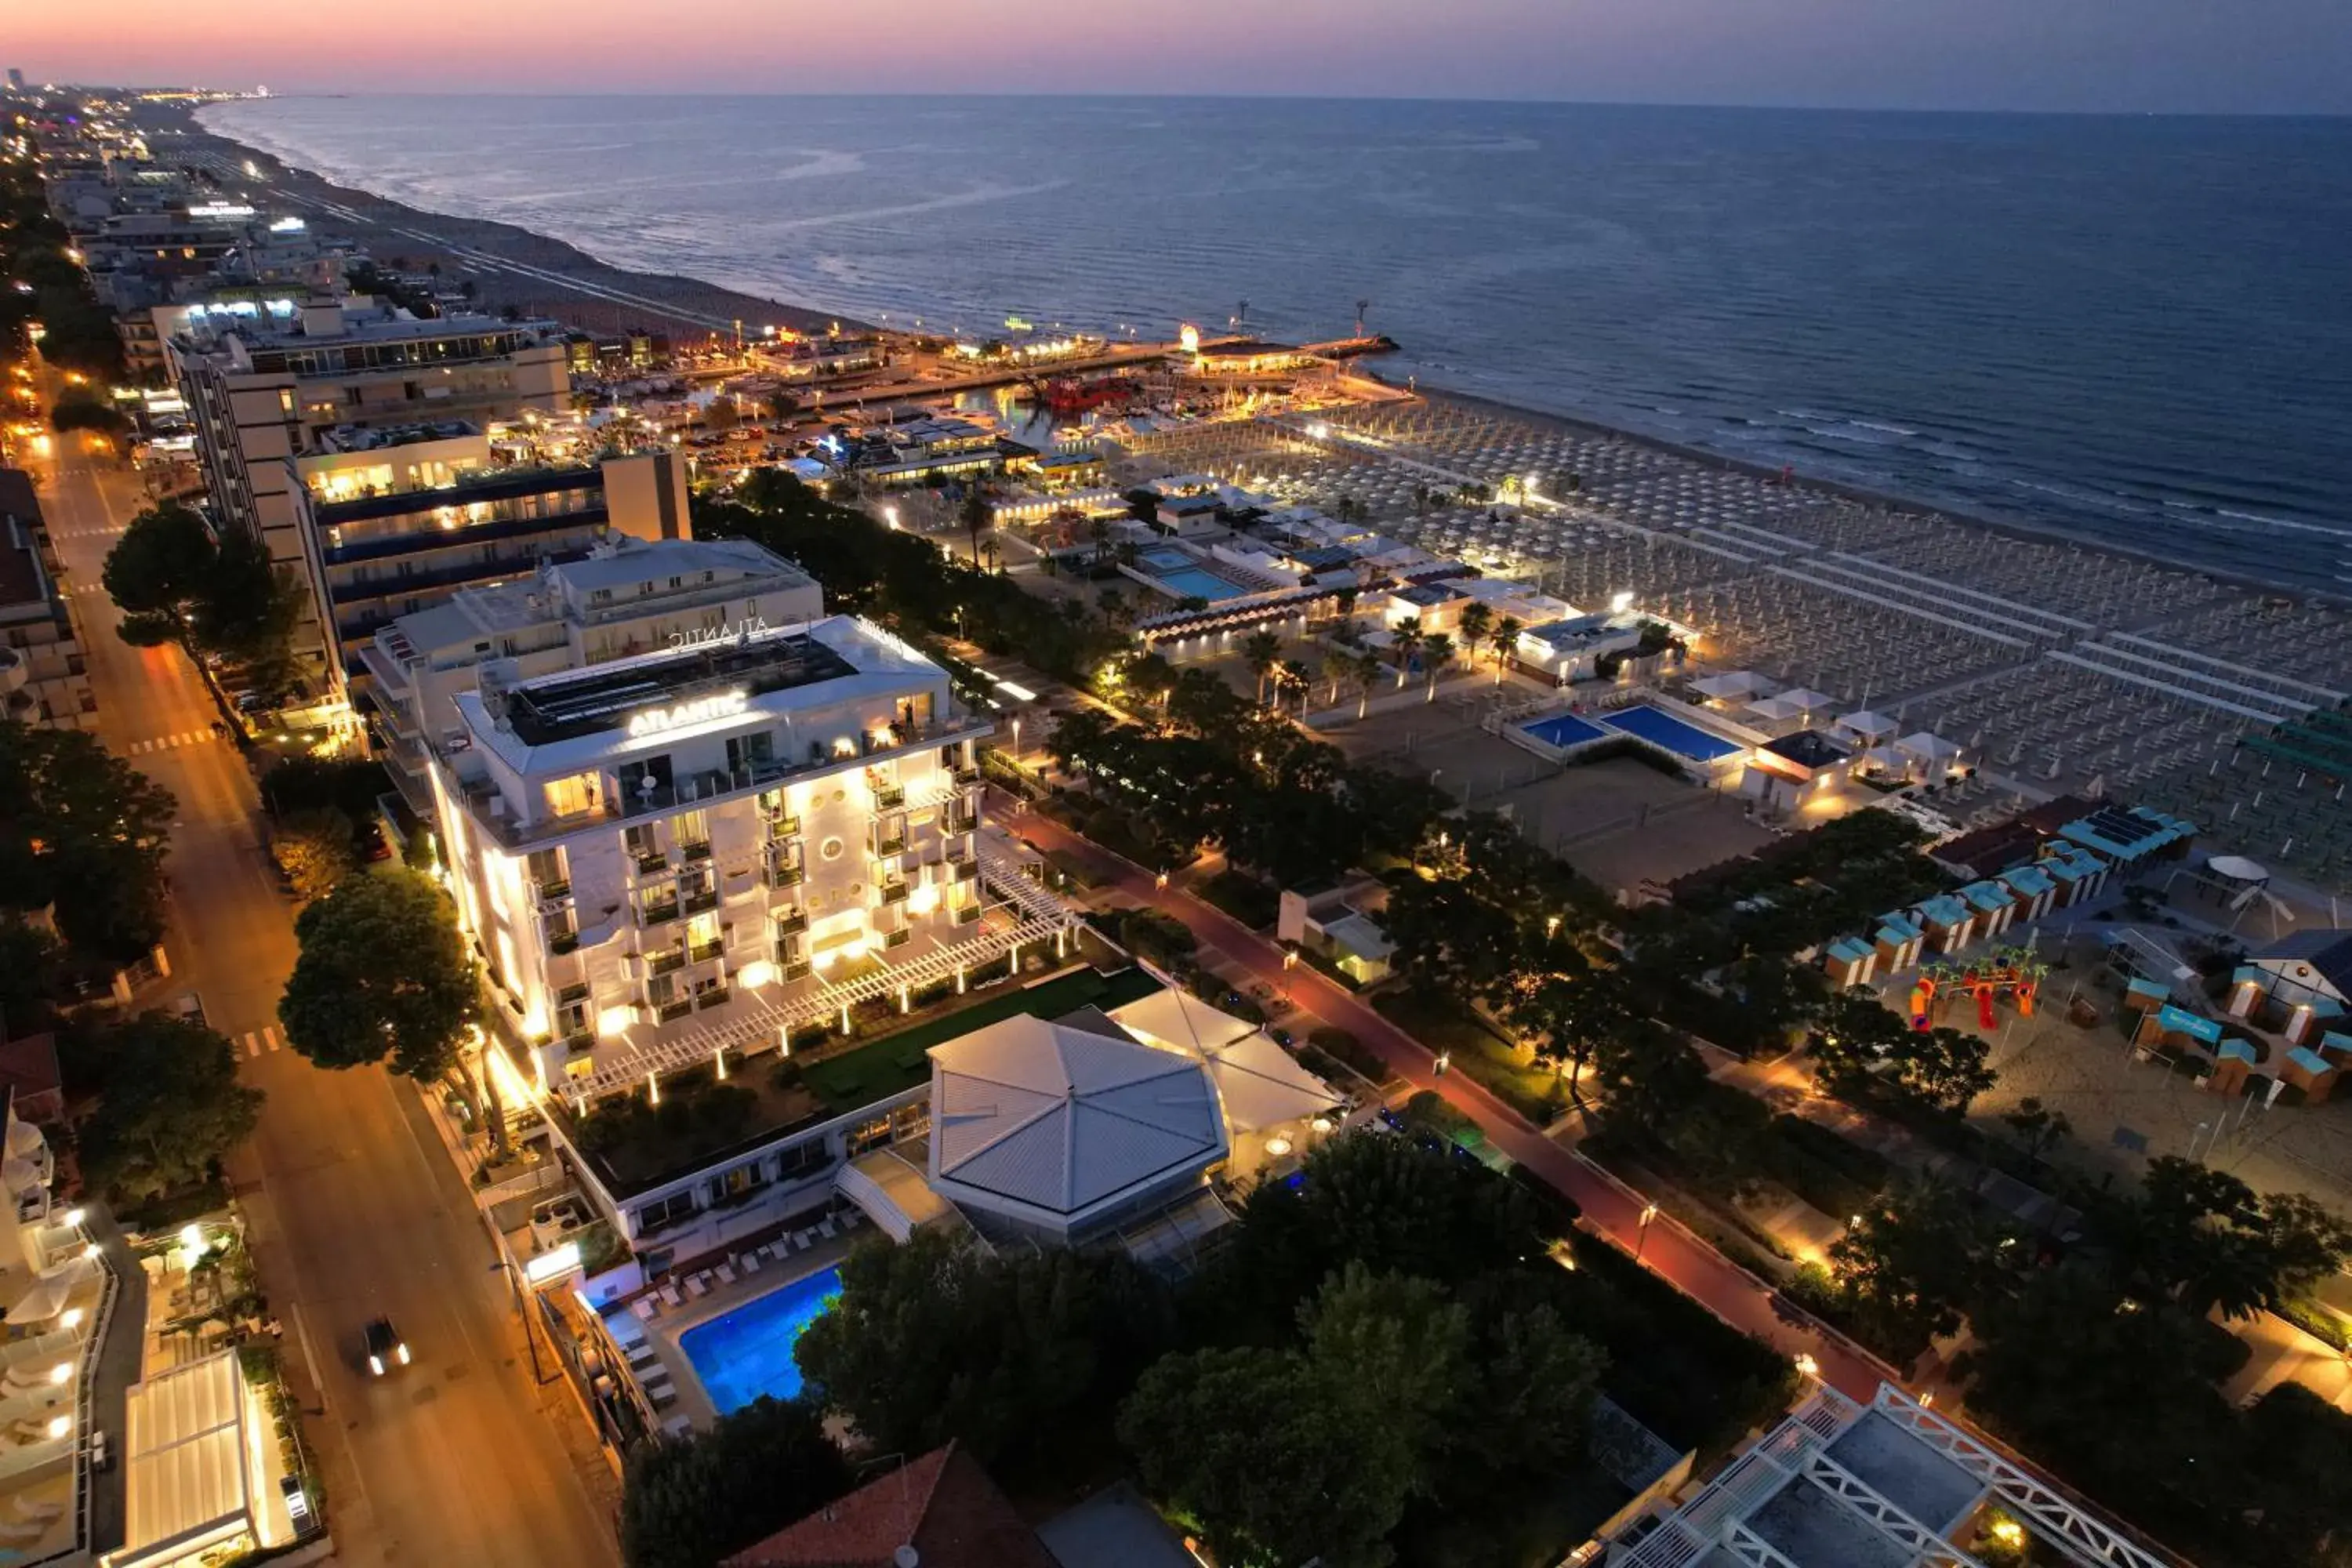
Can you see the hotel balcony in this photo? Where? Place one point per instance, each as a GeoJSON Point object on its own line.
{"type": "Point", "coordinates": [895, 892]}
{"type": "Point", "coordinates": [560, 941]}
{"type": "Point", "coordinates": [888, 843]}
{"type": "Point", "coordinates": [717, 996]}
{"type": "Point", "coordinates": [791, 923]}
{"type": "Point", "coordinates": [671, 1011]}
{"type": "Point", "coordinates": [657, 914]}
{"type": "Point", "coordinates": [699, 899]}
{"type": "Point", "coordinates": [666, 961]}
{"type": "Point", "coordinates": [704, 952]}
{"type": "Point", "coordinates": [966, 868]}
{"type": "Point", "coordinates": [650, 862]}
{"type": "Point", "coordinates": [783, 874]}
{"type": "Point", "coordinates": [965, 821]}
{"type": "Point", "coordinates": [694, 852]}
{"type": "Point", "coordinates": [889, 797]}
{"type": "Point", "coordinates": [554, 893]}
{"type": "Point", "coordinates": [576, 992]}
{"type": "Point", "coordinates": [781, 827]}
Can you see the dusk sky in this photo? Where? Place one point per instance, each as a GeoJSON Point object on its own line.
{"type": "Point", "coordinates": [2237, 56]}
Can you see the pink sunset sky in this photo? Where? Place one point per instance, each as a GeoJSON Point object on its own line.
{"type": "Point", "coordinates": [2259, 55]}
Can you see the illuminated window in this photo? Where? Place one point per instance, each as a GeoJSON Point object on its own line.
{"type": "Point", "coordinates": [571, 797]}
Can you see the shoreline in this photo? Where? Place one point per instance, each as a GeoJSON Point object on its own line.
{"type": "Point", "coordinates": [556, 278]}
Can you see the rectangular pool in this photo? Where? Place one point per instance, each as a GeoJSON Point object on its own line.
{"type": "Point", "coordinates": [1564, 729]}
{"type": "Point", "coordinates": [748, 1352]}
{"type": "Point", "coordinates": [1191, 582]}
{"type": "Point", "coordinates": [1660, 728]}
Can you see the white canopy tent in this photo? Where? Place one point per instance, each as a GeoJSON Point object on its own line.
{"type": "Point", "coordinates": [186, 1480]}
{"type": "Point", "coordinates": [1931, 751]}
{"type": "Point", "coordinates": [1871, 727]}
{"type": "Point", "coordinates": [1733, 686]}
{"type": "Point", "coordinates": [1883, 760]}
{"type": "Point", "coordinates": [1808, 700]}
{"type": "Point", "coordinates": [1774, 709]}
{"type": "Point", "coordinates": [1257, 1082]}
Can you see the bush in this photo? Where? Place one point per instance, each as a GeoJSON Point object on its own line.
{"type": "Point", "coordinates": [1351, 1053]}
{"type": "Point", "coordinates": [1244, 897]}
{"type": "Point", "coordinates": [1162, 938]}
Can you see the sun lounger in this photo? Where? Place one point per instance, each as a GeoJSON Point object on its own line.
{"type": "Point", "coordinates": [643, 1355]}
{"type": "Point", "coordinates": [726, 1274]}
{"type": "Point", "coordinates": [750, 1263]}
{"type": "Point", "coordinates": [664, 1396]}
{"type": "Point", "coordinates": [851, 1218]}
{"type": "Point", "coordinates": [824, 1227]}
{"type": "Point", "coordinates": [801, 1240]}
{"type": "Point", "coordinates": [698, 1284]}
{"type": "Point", "coordinates": [644, 1306]}
{"type": "Point", "coordinates": [669, 1294]}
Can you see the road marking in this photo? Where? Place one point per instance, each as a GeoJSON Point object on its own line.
{"type": "Point", "coordinates": [270, 1037]}
{"type": "Point", "coordinates": [167, 742]}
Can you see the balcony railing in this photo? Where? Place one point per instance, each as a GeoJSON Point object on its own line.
{"type": "Point", "coordinates": [697, 902]}
{"type": "Point", "coordinates": [783, 828]}
{"type": "Point", "coordinates": [896, 938]}
{"type": "Point", "coordinates": [577, 992]}
{"type": "Point", "coordinates": [654, 914]}
{"type": "Point", "coordinates": [695, 851]}
{"type": "Point", "coordinates": [671, 1011]}
{"type": "Point", "coordinates": [714, 997]}
{"type": "Point", "coordinates": [961, 822]}
{"type": "Point", "coordinates": [966, 868]}
{"type": "Point", "coordinates": [797, 969]}
{"type": "Point", "coordinates": [896, 893]}
{"type": "Point", "coordinates": [890, 843]}
{"type": "Point", "coordinates": [651, 862]}
{"type": "Point", "coordinates": [704, 952]}
{"type": "Point", "coordinates": [579, 1044]}
{"type": "Point", "coordinates": [791, 924]}
{"type": "Point", "coordinates": [889, 797]}
{"type": "Point", "coordinates": [965, 773]}
{"type": "Point", "coordinates": [554, 891]}
{"type": "Point", "coordinates": [668, 961]}
{"type": "Point", "coordinates": [779, 877]}
{"type": "Point", "coordinates": [563, 942]}
{"type": "Point", "coordinates": [967, 915]}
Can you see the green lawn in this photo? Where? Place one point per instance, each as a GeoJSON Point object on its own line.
{"type": "Point", "coordinates": [1536, 1092]}
{"type": "Point", "coordinates": [886, 1064]}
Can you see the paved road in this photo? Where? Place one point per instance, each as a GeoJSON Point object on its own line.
{"type": "Point", "coordinates": [1697, 1269]}
{"type": "Point", "coordinates": [355, 1209]}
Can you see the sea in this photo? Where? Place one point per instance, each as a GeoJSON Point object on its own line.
{"type": "Point", "coordinates": [2133, 330]}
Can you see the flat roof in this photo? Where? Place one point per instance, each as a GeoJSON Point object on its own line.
{"type": "Point", "coordinates": [376, 437]}
{"type": "Point", "coordinates": [585, 702]}
{"type": "Point", "coordinates": [184, 1474]}
{"type": "Point", "coordinates": [1809, 749]}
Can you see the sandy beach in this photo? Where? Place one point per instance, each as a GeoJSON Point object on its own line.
{"type": "Point", "coordinates": [508, 266]}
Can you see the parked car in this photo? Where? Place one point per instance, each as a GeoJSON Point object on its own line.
{"type": "Point", "coordinates": [189, 1008]}
{"type": "Point", "coordinates": [385, 1348]}
{"type": "Point", "coordinates": [371, 842]}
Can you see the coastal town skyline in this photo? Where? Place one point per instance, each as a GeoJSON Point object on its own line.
{"type": "Point", "coordinates": [2171, 56]}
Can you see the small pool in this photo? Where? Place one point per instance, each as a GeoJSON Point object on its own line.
{"type": "Point", "coordinates": [1564, 730]}
{"type": "Point", "coordinates": [748, 1352]}
{"type": "Point", "coordinates": [1660, 728]}
{"type": "Point", "coordinates": [1162, 558]}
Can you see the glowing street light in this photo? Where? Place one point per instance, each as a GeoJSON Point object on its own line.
{"type": "Point", "coordinates": [1642, 1239]}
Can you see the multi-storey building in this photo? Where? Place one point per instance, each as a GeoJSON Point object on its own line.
{"type": "Point", "coordinates": [393, 520]}
{"type": "Point", "coordinates": [43, 678]}
{"type": "Point", "coordinates": [667, 857]}
{"type": "Point", "coordinates": [266, 393]}
{"type": "Point", "coordinates": [626, 598]}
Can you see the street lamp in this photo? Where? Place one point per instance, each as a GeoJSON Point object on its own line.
{"type": "Point", "coordinates": [1642, 1239]}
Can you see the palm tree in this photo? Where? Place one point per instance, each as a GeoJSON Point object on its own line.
{"type": "Point", "coordinates": [1439, 649]}
{"type": "Point", "coordinates": [1405, 639]}
{"type": "Point", "coordinates": [1367, 672]}
{"type": "Point", "coordinates": [1336, 669]}
{"type": "Point", "coordinates": [975, 515]}
{"type": "Point", "coordinates": [1478, 620]}
{"type": "Point", "coordinates": [1259, 652]}
{"type": "Point", "coordinates": [1291, 675]}
{"type": "Point", "coordinates": [1098, 530]}
{"type": "Point", "coordinates": [1504, 639]}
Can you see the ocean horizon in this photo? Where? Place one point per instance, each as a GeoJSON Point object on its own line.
{"type": "Point", "coordinates": [2133, 330]}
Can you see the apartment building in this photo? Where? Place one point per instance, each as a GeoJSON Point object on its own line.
{"type": "Point", "coordinates": [667, 857]}
{"type": "Point", "coordinates": [392, 520]}
{"type": "Point", "coordinates": [43, 678]}
{"type": "Point", "coordinates": [266, 392]}
{"type": "Point", "coordinates": [628, 596]}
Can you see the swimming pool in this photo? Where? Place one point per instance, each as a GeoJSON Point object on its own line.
{"type": "Point", "coordinates": [1192, 583]}
{"type": "Point", "coordinates": [1660, 728]}
{"type": "Point", "coordinates": [1564, 729]}
{"type": "Point", "coordinates": [748, 1352]}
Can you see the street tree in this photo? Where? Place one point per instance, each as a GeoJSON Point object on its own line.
{"type": "Point", "coordinates": [686, 1502]}
{"type": "Point", "coordinates": [1438, 649]}
{"type": "Point", "coordinates": [248, 614]}
{"type": "Point", "coordinates": [1260, 652]}
{"type": "Point", "coordinates": [168, 1106]}
{"type": "Point", "coordinates": [2203, 1238]}
{"type": "Point", "coordinates": [315, 848]}
{"type": "Point", "coordinates": [86, 833]}
{"type": "Point", "coordinates": [1910, 1264]}
{"type": "Point", "coordinates": [157, 572]}
{"type": "Point", "coordinates": [382, 974]}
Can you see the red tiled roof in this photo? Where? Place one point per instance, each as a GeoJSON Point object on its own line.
{"type": "Point", "coordinates": [943, 1505]}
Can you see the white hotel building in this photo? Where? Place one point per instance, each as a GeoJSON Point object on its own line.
{"type": "Point", "coordinates": [685, 854]}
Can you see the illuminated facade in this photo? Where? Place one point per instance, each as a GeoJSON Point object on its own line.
{"type": "Point", "coordinates": [668, 856]}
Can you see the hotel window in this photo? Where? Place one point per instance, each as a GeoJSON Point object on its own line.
{"type": "Point", "coordinates": [702, 931]}
{"type": "Point", "coordinates": [691, 831]}
{"type": "Point", "coordinates": [571, 797]}
{"type": "Point", "coordinates": [739, 1183]}
{"type": "Point", "coordinates": [668, 1212]}
{"type": "Point", "coordinates": [545, 868]}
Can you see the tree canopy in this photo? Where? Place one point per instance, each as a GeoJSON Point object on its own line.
{"type": "Point", "coordinates": [227, 600]}
{"type": "Point", "coordinates": [85, 831]}
{"type": "Point", "coordinates": [686, 1502]}
{"type": "Point", "coordinates": [168, 1105]}
{"type": "Point", "coordinates": [382, 972]}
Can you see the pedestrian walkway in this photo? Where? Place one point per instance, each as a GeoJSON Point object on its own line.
{"type": "Point", "coordinates": [255, 1042]}
{"type": "Point", "coordinates": [85, 534]}
{"type": "Point", "coordinates": [166, 743]}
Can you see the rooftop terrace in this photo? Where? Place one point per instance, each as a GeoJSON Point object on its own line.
{"type": "Point", "coordinates": [563, 708]}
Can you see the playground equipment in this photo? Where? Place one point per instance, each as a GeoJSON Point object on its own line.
{"type": "Point", "coordinates": [2013, 971]}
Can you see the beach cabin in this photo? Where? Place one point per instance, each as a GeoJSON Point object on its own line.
{"type": "Point", "coordinates": [2308, 1022]}
{"type": "Point", "coordinates": [1432, 606]}
{"type": "Point", "coordinates": [2032, 889]}
{"type": "Point", "coordinates": [1994, 904]}
{"type": "Point", "coordinates": [2130, 835]}
{"type": "Point", "coordinates": [2080, 875]}
{"type": "Point", "coordinates": [2300, 985]}
{"type": "Point", "coordinates": [1949, 922]}
{"type": "Point", "coordinates": [1898, 941]}
{"type": "Point", "coordinates": [2176, 1030]}
{"type": "Point", "coordinates": [2233, 1064]}
{"type": "Point", "coordinates": [2144, 996]}
{"type": "Point", "coordinates": [1848, 960]}
{"type": "Point", "coordinates": [1572, 650]}
{"type": "Point", "coordinates": [2309, 1071]}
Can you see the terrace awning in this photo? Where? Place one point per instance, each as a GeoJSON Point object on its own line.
{"type": "Point", "coordinates": [1868, 725]}
{"type": "Point", "coordinates": [1776, 709]}
{"type": "Point", "coordinates": [1733, 685]}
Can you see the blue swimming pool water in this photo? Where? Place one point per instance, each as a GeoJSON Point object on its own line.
{"type": "Point", "coordinates": [1162, 558]}
{"type": "Point", "coordinates": [1564, 729]}
{"type": "Point", "coordinates": [1191, 581]}
{"type": "Point", "coordinates": [1662, 727]}
{"type": "Point", "coordinates": [748, 1352]}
